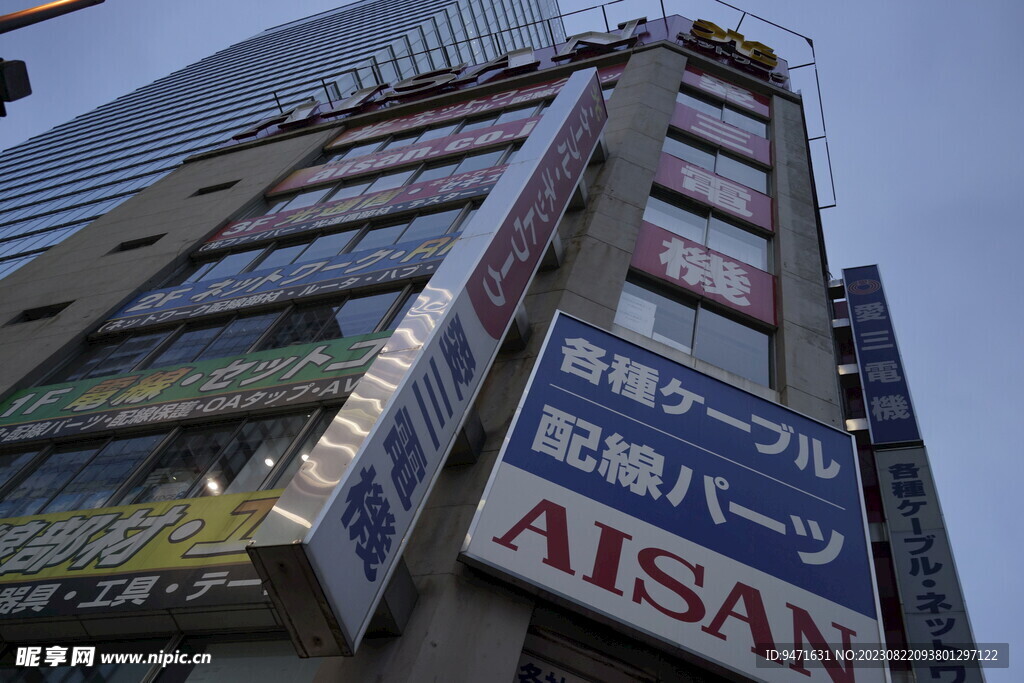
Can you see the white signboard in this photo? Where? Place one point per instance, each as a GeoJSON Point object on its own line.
{"type": "Point", "coordinates": [650, 495]}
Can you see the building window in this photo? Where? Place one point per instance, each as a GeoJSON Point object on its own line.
{"type": "Point", "coordinates": [222, 459]}
{"type": "Point", "coordinates": [391, 179]}
{"type": "Point", "coordinates": [354, 315]}
{"type": "Point", "coordinates": [77, 476]}
{"type": "Point", "coordinates": [323, 246]}
{"type": "Point", "coordinates": [724, 112]}
{"type": "Point", "coordinates": [443, 130]}
{"type": "Point", "coordinates": [184, 462]}
{"type": "Point", "coordinates": [702, 226]}
{"type": "Point", "coordinates": [694, 328]}
{"type": "Point", "coordinates": [717, 162]}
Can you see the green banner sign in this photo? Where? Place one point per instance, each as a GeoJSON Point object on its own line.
{"type": "Point", "coordinates": [293, 375]}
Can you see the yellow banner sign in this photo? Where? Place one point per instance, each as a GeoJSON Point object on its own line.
{"type": "Point", "coordinates": [146, 537]}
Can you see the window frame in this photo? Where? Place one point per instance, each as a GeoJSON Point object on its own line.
{"type": "Point", "coordinates": [709, 214]}
{"type": "Point", "coordinates": [705, 147]}
{"type": "Point", "coordinates": [699, 304]}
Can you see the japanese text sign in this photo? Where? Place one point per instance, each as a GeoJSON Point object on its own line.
{"type": "Point", "coordinates": [890, 412]}
{"type": "Point", "coordinates": [724, 135]}
{"type": "Point", "coordinates": [362, 527]}
{"type": "Point", "coordinates": [715, 191]}
{"type": "Point", "coordinates": [411, 154]}
{"type": "Point", "coordinates": [654, 495]}
{"type": "Point", "coordinates": [431, 193]}
{"type": "Point", "coordinates": [276, 285]}
{"type": "Point", "coordinates": [732, 94]}
{"type": "Point", "coordinates": [705, 272]}
{"type": "Point", "coordinates": [934, 613]}
{"type": "Point", "coordinates": [294, 375]}
{"type": "Point", "coordinates": [479, 105]}
{"type": "Point", "coordinates": [179, 553]}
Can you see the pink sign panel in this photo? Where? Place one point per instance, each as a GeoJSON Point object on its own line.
{"type": "Point", "coordinates": [360, 208]}
{"type": "Point", "coordinates": [478, 105]}
{"type": "Point", "coordinates": [675, 259]}
{"type": "Point", "coordinates": [720, 133]}
{"type": "Point", "coordinates": [425, 151]}
{"type": "Point", "coordinates": [704, 186]}
{"type": "Point", "coordinates": [507, 267]}
{"type": "Point", "coordinates": [733, 94]}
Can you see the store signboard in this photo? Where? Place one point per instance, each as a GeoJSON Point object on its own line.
{"type": "Point", "coordinates": [148, 556]}
{"type": "Point", "coordinates": [890, 411]}
{"type": "Point", "coordinates": [364, 268]}
{"type": "Point", "coordinates": [417, 196]}
{"type": "Point", "coordinates": [934, 612]}
{"type": "Point", "coordinates": [649, 494]}
{"type": "Point", "coordinates": [390, 439]}
{"type": "Point", "coordinates": [721, 134]}
{"type": "Point", "coordinates": [732, 94]}
{"type": "Point", "coordinates": [718, 192]}
{"type": "Point", "coordinates": [294, 375]}
{"type": "Point", "coordinates": [452, 145]}
{"type": "Point", "coordinates": [705, 272]}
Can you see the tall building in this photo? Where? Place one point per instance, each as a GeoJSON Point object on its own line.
{"type": "Point", "coordinates": [528, 370]}
{"type": "Point", "coordinates": [58, 182]}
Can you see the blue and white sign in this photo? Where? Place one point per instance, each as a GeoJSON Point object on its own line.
{"type": "Point", "coordinates": [887, 402]}
{"type": "Point", "coordinates": [365, 268]}
{"type": "Point", "coordinates": [690, 510]}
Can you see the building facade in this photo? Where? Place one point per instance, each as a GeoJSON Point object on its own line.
{"type": "Point", "coordinates": [519, 371]}
{"type": "Point", "coordinates": [57, 183]}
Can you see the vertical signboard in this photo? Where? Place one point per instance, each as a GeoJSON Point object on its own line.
{"type": "Point", "coordinates": [344, 520]}
{"type": "Point", "coordinates": [890, 413]}
{"type": "Point", "coordinates": [934, 613]}
{"type": "Point", "coordinates": [646, 493]}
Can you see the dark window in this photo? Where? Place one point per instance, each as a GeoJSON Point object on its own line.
{"type": "Point", "coordinates": [131, 245]}
{"type": "Point", "coordinates": [30, 314]}
{"type": "Point", "coordinates": [695, 329]}
{"type": "Point", "coordinates": [219, 187]}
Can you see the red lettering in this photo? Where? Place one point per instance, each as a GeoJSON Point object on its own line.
{"type": "Point", "coordinates": [694, 607]}
{"type": "Point", "coordinates": [606, 562]}
{"type": "Point", "coordinates": [755, 618]}
{"type": "Point", "coordinates": [804, 627]}
{"type": "Point", "coordinates": [556, 531]}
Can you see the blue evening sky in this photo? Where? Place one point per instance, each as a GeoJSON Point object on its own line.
{"type": "Point", "coordinates": [920, 99]}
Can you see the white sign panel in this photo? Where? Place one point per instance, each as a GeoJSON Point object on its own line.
{"type": "Point", "coordinates": [653, 496]}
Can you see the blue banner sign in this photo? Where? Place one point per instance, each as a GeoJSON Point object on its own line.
{"type": "Point", "coordinates": [680, 506]}
{"type": "Point", "coordinates": [887, 403]}
{"type": "Point", "coordinates": [275, 285]}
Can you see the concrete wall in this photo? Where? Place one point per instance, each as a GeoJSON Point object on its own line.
{"type": "Point", "coordinates": [83, 271]}
{"type": "Point", "coordinates": [805, 352]}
